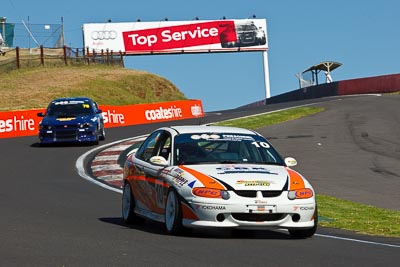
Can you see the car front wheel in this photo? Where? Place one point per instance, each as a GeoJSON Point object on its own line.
{"type": "Point", "coordinates": [306, 233]}
{"type": "Point", "coordinates": [173, 213]}
{"type": "Point", "coordinates": [102, 136]}
{"type": "Point", "coordinates": [128, 205]}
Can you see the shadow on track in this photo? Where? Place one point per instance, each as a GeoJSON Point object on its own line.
{"type": "Point", "coordinates": [158, 229]}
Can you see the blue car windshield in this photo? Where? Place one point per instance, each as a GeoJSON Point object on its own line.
{"type": "Point", "coordinates": [204, 148]}
{"type": "Point", "coordinates": [73, 109]}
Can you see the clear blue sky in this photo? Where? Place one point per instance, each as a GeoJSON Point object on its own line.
{"type": "Point", "coordinates": [363, 35]}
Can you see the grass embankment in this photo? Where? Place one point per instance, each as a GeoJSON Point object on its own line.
{"type": "Point", "coordinates": [36, 87]}
{"type": "Point", "coordinates": [336, 213]}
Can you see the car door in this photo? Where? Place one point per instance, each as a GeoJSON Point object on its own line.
{"type": "Point", "coordinates": [150, 183]}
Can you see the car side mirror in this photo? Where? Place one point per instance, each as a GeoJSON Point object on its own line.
{"type": "Point", "coordinates": [159, 161]}
{"type": "Point", "coordinates": [290, 162]}
{"type": "Point", "coordinates": [133, 151]}
{"type": "Point", "coordinates": [40, 114]}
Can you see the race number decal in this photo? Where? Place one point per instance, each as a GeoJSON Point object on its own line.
{"type": "Point", "coordinates": [159, 195]}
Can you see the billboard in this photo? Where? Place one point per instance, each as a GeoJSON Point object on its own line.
{"type": "Point", "coordinates": [26, 122]}
{"type": "Point", "coordinates": [199, 36]}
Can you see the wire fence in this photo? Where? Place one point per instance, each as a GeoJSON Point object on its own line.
{"type": "Point", "coordinates": [16, 58]}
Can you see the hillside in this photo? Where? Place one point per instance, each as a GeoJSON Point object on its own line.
{"type": "Point", "coordinates": [35, 87]}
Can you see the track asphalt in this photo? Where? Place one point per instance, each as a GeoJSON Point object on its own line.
{"type": "Point", "coordinates": [50, 216]}
{"type": "Point", "coordinates": [350, 151]}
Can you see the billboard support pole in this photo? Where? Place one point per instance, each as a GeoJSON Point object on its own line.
{"type": "Point", "coordinates": [266, 75]}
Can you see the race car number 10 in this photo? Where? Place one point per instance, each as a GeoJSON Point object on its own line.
{"type": "Point", "coordinates": [261, 144]}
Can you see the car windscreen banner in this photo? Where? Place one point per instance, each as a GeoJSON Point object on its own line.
{"type": "Point", "coordinates": [26, 122]}
{"type": "Point", "coordinates": [177, 36]}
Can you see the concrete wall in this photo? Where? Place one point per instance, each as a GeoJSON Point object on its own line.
{"type": "Point", "coordinates": [369, 85]}
{"type": "Point", "coordinates": [378, 84]}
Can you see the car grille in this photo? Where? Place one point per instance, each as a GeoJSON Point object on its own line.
{"type": "Point", "coordinates": [247, 38]}
{"type": "Point", "coordinates": [253, 193]}
{"type": "Point", "coordinates": [66, 132]}
{"type": "Point", "coordinates": [258, 217]}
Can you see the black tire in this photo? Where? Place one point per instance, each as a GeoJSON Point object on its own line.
{"type": "Point", "coordinates": [102, 135]}
{"type": "Point", "coordinates": [173, 213]}
{"type": "Point", "coordinates": [306, 233]}
{"type": "Point", "coordinates": [128, 205]}
{"type": "Point", "coordinates": [96, 140]}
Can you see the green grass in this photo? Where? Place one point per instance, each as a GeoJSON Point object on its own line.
{"type": "Point", "coordinates": [255, 122]}
{"type": "Point", "coordinates": [358, 217]}
{"type": "Point", "coordinates": [333, 212]}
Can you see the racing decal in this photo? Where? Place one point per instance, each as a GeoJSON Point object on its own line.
{"type": "Point", "coordinates": [159, 195]}
{"type": "Point", "coordinates": [65, 119]}
{"type": "Point", "coordinates": [207, 192]}
{"type": "Point", "coordinates": [296, 181]}
{"type": "Point", "coordinates": [241, 169]}
{"type": "Point", "coordinates": [236, 137]}
{"type": "Point", "coordinates": [191, 184]}
{"type": "Point", "coordinates": [71, 102]}
{"type": "Point", "coordinates": [303, 208]}
{"type": "Point", "coordinates": [254, 183]}
{"type": "Point", "coordinates": [178, 179]}
{"type": "Point", "coordinates": [210, 207]}
{"type": "Point", "coordinates": [206, 180]}
{"type": "Point", "coordinates": [187, 212]}
{"type": "Point", "coordinates": [205, 136]}
{"type": "Point", "coordinates": [154, 188]}
{"type": "Point", "coordinates": [261, 144]}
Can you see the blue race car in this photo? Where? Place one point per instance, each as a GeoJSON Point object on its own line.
{"type": "Point", "coordinates": [71, 120]}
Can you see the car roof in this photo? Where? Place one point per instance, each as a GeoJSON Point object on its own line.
{"type": "Point", "coordinates": [72, 99]}
{"type": "Point", "coordinates": [210, 129]}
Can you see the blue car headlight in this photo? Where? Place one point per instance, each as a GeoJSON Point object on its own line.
{"type": "Point", "coordinates": [85, 125]}
{"type": "Point", "coordinates": [45, 127]}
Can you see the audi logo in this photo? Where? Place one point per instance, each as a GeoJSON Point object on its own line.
{"type": "Point", "coordinates": [104, 35]}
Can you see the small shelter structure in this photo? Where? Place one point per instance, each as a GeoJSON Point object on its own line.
{"type": "Point", "coordinates": [309, 77]}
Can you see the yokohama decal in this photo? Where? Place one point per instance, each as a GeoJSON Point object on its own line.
{"type": "Point", "coordinates": [180, 36]}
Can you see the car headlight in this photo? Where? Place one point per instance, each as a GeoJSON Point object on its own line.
{"type": "Point", "coordinates": [300, 193]}
{"type": "Point", "coordinates": [86, 125]}
{"type": "Point", "coordinates": [210, 193]}
{"type": "Point", "coordinates": [260, 34]}
{"type": "Point", "coordinates": [45, 127]}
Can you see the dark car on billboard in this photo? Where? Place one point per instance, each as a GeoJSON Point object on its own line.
{"type": "Point", "coordinates": [245, 34]}
{"type": "Point", "coordinates": [66, 120]}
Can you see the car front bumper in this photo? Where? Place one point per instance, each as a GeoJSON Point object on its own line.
{"type": "Point", "coordinates": [66, 136]}
{"type": "Point", "coordinates": [297, 214]}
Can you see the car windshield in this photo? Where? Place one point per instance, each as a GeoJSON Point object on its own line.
{"type": "Point", "coordinates": [203, 148]}
{"type": "Point", "coordinates": [246, 27]}
{"type": "Point", "coordinates": [69, 109]}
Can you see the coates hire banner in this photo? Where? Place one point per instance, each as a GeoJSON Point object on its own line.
{"type": "Point", "coordinates": [25, 123]}
{"type": "Point", "coordinates": [177, 36]}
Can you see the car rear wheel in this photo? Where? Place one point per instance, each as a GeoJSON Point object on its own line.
{"type": "Point", "coordinates": [128, 205]}
{"type": "Point", "coordinates": [173, 213]}
{"type": "Point", "coordinates": [306, 233]}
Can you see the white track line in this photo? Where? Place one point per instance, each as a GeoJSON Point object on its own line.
{"type": "Point", "coordinates": [358, 241]}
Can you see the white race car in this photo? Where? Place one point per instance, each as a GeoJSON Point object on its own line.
{"type": "Point", "coordinates": [212, 176]}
